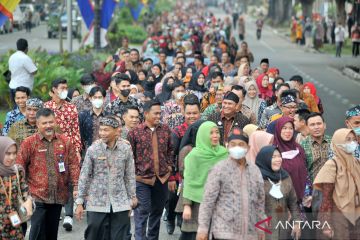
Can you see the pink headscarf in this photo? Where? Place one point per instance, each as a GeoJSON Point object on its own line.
{"type": "Point", "coordinates": [258, 140]}
{"type": "Point", "coordinates": [265, 93]}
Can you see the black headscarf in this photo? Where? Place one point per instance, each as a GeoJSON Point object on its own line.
{"type": "Point", "coordinates": [149, 85]}
{"type": "Point", "coordinates": [166, 90]}
{"type": "Point", "coordinates": [263, 161]}
{"type": "Point", "coordinates": [134, 79]}
{"type": "Point", "coordinates": [193, 85]}
{"type": "Point", "coordinates": [189, 137]}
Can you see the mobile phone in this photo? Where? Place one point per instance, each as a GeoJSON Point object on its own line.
{"type": "Point", "coordinates": [116, 58]}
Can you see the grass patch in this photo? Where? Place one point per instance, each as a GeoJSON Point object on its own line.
{"type": "Point", "coordinates": [331, 49]}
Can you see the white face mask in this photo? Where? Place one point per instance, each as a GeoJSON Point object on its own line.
{"type": "Point", "coordinates": [63, 94]}
{"type": "Point", "coordinates": [87, 88]}
{"type": "Point", "coordinates": [271, 80]}
{"type": "Point", "coordinates": [97, 103]}
{"type": "Point", "coordinates": [350, 147]}
{"type": "Point", "coordinates": [237, 152]}
{"type": "Point", "coordinates": [179, 95]}
{"type": "Point", "coordinates": [275, 190]}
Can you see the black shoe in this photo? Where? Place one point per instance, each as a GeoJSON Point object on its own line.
{"type": "Point", "coordinates": [170, 227]}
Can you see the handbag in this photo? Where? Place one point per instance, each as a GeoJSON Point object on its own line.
{"type": "Point", "coordinates": [21, 210]}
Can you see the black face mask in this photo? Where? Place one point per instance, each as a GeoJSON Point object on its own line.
{"type": "Point", "coordinates": [125, 92]}
{"type": "Point", "coordinates": [171, 86]}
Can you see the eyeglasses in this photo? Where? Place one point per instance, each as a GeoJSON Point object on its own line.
{"type": "Point", "coordinates": [293, 107]}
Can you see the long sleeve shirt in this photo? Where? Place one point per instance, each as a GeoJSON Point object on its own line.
{"type": "Point", "coordinates": [233, 201]}
{"type": "Point", "coordinates": [41, 160]}
{"type": "Point", "coordinates": [107, 177]}
{"type": "Point", "coordinates": [12, 117]}
{"type": "Point", "coordinates": [67, 120]}
{"type": "Point", "coordinates": [151, 161]}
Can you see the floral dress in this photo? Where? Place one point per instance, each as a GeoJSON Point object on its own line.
{"type": "Point", "coordinates": [7, 231]}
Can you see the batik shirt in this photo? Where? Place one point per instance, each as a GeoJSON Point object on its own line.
{"type": "Point", "coordinates": [40, 158]}
{"type": "Point", "coordinates": [12, 117]}
{"type": "Point", "coordinates": [82, 103]}
{"type": "Point", "coordinates": [171, 114]}
{"type": "Point", "coordinates": [107, 177]}
{"type": "Point", "coordinates": [21, 130]}
{"type": "Point", "coordinates": [118, 107]}
{"type": "Point", "coordinates": [316, 154]}
{"type": "Point", "coordinates": [267, 114]}
{"type": "Point", "coordinates": [67, 119]}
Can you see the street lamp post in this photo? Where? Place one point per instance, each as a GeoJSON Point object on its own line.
{"type": "Point", "coordinates": [69, 24]}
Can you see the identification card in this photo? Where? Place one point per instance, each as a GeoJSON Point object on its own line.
{"type": "Point", "coordinates": [102, 158]}
{"type": "Point", "coordinates": [14, 219]}
{"type": "Point", "coordinates": [61, 167]}
{"type": "Point", "coordinates": [42, 150]}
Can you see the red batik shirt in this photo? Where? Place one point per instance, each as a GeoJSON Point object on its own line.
{"type": "Point", "coordinates": [68, 121]}
{"type": "Point", "coordinates": [140, 139]}
{"type": "Point", "coordinates": [40, 158]}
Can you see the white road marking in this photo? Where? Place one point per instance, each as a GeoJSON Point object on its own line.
{"type": "Point", "coordinates": [265, 44]}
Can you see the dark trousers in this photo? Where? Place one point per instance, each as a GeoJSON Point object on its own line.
{"type": "Point", "coordinates": [69, 206]}
{"type": "Point", "coordinates": [338, 48]}
{"type": "Point", "coordinates": [28, 26]}
{"type": "Point", "coordinates": [45, 221]}
{"type": "Point", "coordinates": [258, 34]}
{"type": "Point", "coordinates": [188, 236]}
{"type": "Point", "coordinates": [108, 226]}
{"type": "Point", "coordinates": [171, 205]}
{"type": "Point", "coordinates": [12, 96]}
{"type": "Point", "coordinates": [355, 49]}
{"type": "Point", "coordinates": [152, 201]}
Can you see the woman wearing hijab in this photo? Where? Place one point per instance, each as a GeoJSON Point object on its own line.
{"type": "Point", "coordinates": [339, 182]}
{"type": "Point", "coordinates": [292, 153]}
{"type": "Point", "coordinates": [198, 162]}
{"type": "Point", "coordinates": [257, 141]}
{"type": "Point", "coordinates": [9, 184]}
{"type": "Point", "coordinates": [242, 75]}
{"type": "Point", "coordinates": [280, 196]}
{"type": "Point", "coordinates": [252, 100]}
{"type": "Point", "coordinates": [264, 86]}
{"type": "Point", "coordinates": [167, 88]}
{"type": "Point", "coordinates": [197, 85]}
{"type": "Point", "coordinates": [310, 88]}
{"type": "Point", "coordinates": [188, 76]}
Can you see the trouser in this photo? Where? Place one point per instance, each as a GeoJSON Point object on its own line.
{"type": "Point", "coordinates": [188, 236]}
{"type": "Point", "coordinates": [258, 34]}
{"type": "Point", "coordinates": [12, 96]}
{"type": "Point", "coordinates": [108, 226]}
{"type": "Point", "coordinates": [308, 233]}
{"type": "Point", "coordinates": [69, 206]}
{"type": "Point", "coordinates": [338, 48]}
{"type": "Point", "coordinates": [308, 42]}
{"type": "Point", "coordinates": [171, 205]}
{"type": "Point", "coordinates": [152, 201]}
{"type": "Point", "coordinates": [28, 26]}
{"type": "Point", "coordinates": [241, 37]}
{"type": "Point", "coordinates": [355, 49]}
{"type": "Point", "coordinates": [45, 221]}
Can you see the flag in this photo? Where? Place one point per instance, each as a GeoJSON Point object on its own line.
{"type": "Point", "coordinates": [87, 12]}
{"type": "Point", "coordinates": [7, 7]}
{"type": "Point", "coordinates": [136, 11]}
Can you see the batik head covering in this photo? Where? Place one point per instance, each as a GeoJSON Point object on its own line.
{"type": "Point", "coordinates": [35, 102]}
{"type": "Point", "coordinates": [109, 121]}
{"type": "Point", "coordinates": [352, 112]}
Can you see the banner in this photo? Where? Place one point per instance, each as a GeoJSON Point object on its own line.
{"type": "Point", "coordinates": [7, 7]}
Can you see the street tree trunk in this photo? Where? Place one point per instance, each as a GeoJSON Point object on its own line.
{"type": "Point", "coordinates": [279, 11]}
{"type": "Point", "coordinates": [61, 42]}
{"type": "Point", "coordinates": [340, 11]}
{"type": "Point", "coordinates": [97, 19]}
{"type": "Point", "coordinates": [307, 6]}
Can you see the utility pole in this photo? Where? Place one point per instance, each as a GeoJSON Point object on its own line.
{"type": "Point", "coordinates": [97, 19]}
{"type": "Point", "coordinates": [69, 24]}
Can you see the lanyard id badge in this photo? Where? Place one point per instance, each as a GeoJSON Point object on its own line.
{"type": "Point", "coordinates": [14, 219]}
{"type": "Point", "coordinates": [61, 163]}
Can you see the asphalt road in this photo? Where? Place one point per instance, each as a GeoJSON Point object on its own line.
{"type": "Point", "coordinates": [37, 38]}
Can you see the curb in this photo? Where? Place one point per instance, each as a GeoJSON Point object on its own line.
{"type": "Point", "coordinates": [351, 73]}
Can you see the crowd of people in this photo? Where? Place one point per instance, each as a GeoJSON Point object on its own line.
{"type": "Point", "coordinates": [317, 31]}
{"type": "Point", "coordinates": [220, 145]}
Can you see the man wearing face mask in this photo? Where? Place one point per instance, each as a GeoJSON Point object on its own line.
{"type": "Point", "coordinates": [228, 118]}
{"type": "Point", "coordinates": [66, 116]}
{"type": "Point", "coordinates": [118, 106]}
{"type": "Point", "coordinates": [353, 122]}
{"type": "Point", "coordinates": [89, 119]}
{"type": "Point", "coordinates": [243, 202]}
{"type": "Point", "coordinates": [83, 102]}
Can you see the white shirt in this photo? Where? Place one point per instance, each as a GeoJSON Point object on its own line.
{"type": "Point", "coordinates": [339, 34]}
{"type": "Point", "coordinates": [21, 67]}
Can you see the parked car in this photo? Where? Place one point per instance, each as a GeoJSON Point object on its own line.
{"type": "Point", "coordinates": [53, 25]}
{"type": "Point", "coordinates": [18, 19]}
